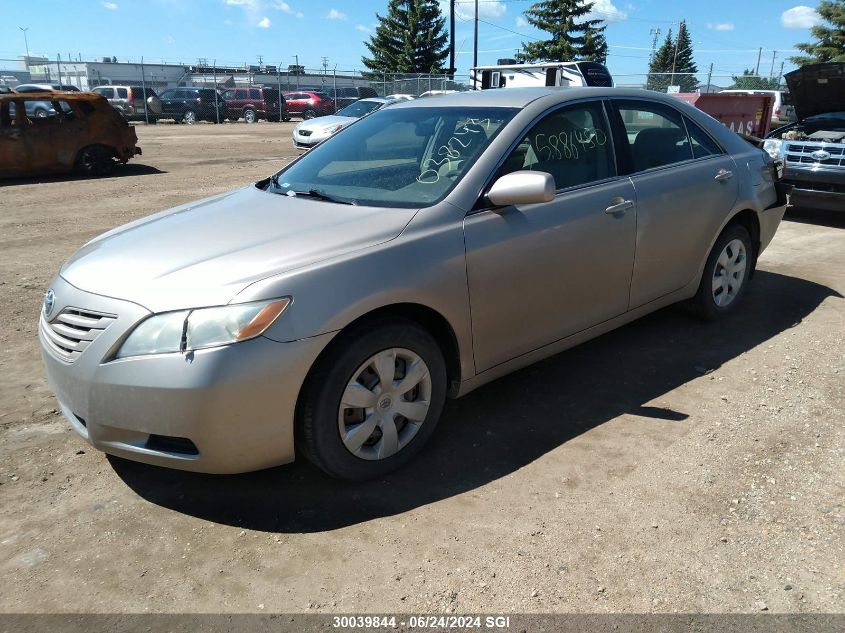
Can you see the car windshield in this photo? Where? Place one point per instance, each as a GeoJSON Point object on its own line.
{"type": "Point", "coordinates": [398, 157]}
{"type": "Point", "coordinates": [360, 108]}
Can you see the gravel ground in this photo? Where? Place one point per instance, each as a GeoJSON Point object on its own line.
{"type": "Point", "coordinates": [671, 465]}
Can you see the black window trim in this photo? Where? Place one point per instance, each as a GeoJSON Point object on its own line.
{"type": "Point", "coordinates": [622, 136]}
{"type": "Point", "coordinates": [482, 205]}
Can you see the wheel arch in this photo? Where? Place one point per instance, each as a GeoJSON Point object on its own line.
{"type": "Point", "coordinates": [748, 219]}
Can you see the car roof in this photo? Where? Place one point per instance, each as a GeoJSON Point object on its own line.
{"type": "Point", "coordinates": [521, 97]}
{"type": "Point", "coordinates": [378, 99]}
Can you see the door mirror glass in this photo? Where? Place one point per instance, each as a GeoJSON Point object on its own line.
{"type": "Point", "coordinates": [522, 187]}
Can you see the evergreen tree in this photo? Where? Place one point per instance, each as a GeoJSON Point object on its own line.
{"type": "Point", "coordinates": [573, 35]}
{"type": "Point", "coordinates": [661, 62]}
{"type": "Point", "coordinates": [749, 81]}
{"type": "Point", "coordinates": [685, 67]}
{"type": "Point", "coordinates": [830, 40]}
{"type": "Point", "coordinates": [409, 39]}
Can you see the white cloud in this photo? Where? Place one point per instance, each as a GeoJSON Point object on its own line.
{"type": "Point", "coordinates": [300, 14]}
{"type": "Point", "coordinates": [521, 22]}
{"type": "Point", "coordinates": [111, 6]}
{"type": "Point", "coordinates": [607, 11]}
{"type": "Point", "coordinates": [721, 26]}
{"type": "Point", "coordinates": [465, 9]}
{"type": "Point", "coordinates": [251, 5]}
{"type": "Point", "coordinates": [334, 14]}
{"type": "Point", "coordinates": [800, 17]}
{"type": "Point", "coordinates": [362, 28]}
{"type": "Point", "coordinates": [264, 23]}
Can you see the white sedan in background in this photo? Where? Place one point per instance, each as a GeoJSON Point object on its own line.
{"type": "Point", "coordinates": [312, 131]}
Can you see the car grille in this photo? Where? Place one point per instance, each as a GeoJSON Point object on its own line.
{"type": "Point", "coordinates": [305, 132]}
{"type": "Point", "coordinates": [73, 330]}
{"type": "Point", "coordinates": [801, 153]}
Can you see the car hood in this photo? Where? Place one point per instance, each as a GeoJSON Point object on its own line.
{"type": "Point", "coordinates": [817, 89]}
{"type": "Point", "coordinates": [324, 121]}
{"type": "Point", "coordinates": [205, 252]}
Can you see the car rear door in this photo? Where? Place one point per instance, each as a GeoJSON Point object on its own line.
{"type": "Point", "coordinates": [540, 272]}
{"type": "Point", "coordinates": [14, 149]}
{"type": "Point", "coordinates": [686, 185]}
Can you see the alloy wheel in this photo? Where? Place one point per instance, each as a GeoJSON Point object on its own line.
{"type": "Point", "coordinates": [729, 273]}
{"type": "Point", "coordinates": [384, 404]}
{"type": "Point", "coordinates": [190, 117]}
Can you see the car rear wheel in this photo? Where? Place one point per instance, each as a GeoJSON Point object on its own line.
{"type": "Point", "coordinates": [726, 274]}
{"type": "Point", "coordinates": [94, 160]}
{"type": "Point", "coordinates": [190, 117]}
{"type": "Point", "coordinates": [41, 114]}
{"type": "Point", "coordinates": [249, 115]}
{"type": "Point", "coordinates": [309, 114]}
{"type": "Point", "coordinates": [373, 401]}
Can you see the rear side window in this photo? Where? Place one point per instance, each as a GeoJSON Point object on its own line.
{"type": "Point", "coordinates": [254, 93]}
{"type": "Point", "coordinates": [240, 94]}
{"type": "Point", "coordinates": [701, 143]}
{"type": "Point", "coordinates": [656, 134]}
{"type": "Point", "coordinates": [122, 93]}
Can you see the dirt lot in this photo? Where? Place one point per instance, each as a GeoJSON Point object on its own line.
{"type": "Point", "coordinates": [669, 466]}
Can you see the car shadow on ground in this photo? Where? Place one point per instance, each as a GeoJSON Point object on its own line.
{"type": "Point", "coordinates": [501, 427]}
{"type": "Point", "coordinates": [832, 219]}
{"type": "Point", "coordinates": [120, 171]}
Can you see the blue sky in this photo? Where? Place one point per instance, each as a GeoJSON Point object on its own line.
{"type": "Point", "coordinates": [726, 34]}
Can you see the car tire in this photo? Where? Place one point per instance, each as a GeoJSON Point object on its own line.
{"type": "Point", "coordinates": [309, 114]}
{"type": "Point", "coordinates": [249, 115]}
{"type": "Point", "coordinates": [189, 117]}
{"type": "Point", "coordinates": [349, 370]}
{"type": "Point", "coordinates": [40, 113]}
{"type": "Point", "coordinates": [726, 274]}
{"type": "Point", "coordinates": [286, 118]}
{"type": "Point", "coordinates": [94, 160]}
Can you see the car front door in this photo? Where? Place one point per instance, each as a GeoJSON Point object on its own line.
{"type": "Point", "coordinates": [168, 103]}
{"type": "Point", "coordinates": [541, 272]}
{"type": "Point", "coordinates": [685, 186]}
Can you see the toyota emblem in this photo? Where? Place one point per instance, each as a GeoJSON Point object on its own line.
{"type": "Point", "coordinates": [49, 301]}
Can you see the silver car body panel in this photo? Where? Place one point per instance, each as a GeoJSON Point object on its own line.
{"type": "Point", "coordinates": [509, 282]}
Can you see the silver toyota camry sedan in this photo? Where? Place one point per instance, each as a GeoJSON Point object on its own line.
{"type": "Point", "coordinates": [329, 310]}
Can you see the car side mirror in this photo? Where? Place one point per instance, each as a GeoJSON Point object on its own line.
{"type": "Point", "coordinates": [522, 187]}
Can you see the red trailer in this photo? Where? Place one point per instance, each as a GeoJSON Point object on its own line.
{"type": "Point", "coordinates": [745, 114]}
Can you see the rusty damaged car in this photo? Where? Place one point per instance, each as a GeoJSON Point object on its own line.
{"type": "Point", "coordinates": [85, 134]}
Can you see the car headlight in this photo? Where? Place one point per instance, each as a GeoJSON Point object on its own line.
{"type": "Point", "coordinates": [773, 146]}
{"type": "Point", "coordinates": [187, 330]}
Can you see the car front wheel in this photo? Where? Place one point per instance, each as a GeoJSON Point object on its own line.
{"type": "Point", "coordinates": [309, 114]}
{"type": "Point", "coordinates": [726, 274]}
{"type": "Point", "coordinates": [373, 400]}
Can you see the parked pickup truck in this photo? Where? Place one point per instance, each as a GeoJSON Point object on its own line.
{"type": "Point", "coordinates": [813, 148]}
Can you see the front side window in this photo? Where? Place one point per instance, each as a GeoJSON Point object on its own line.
{"type": "Point", "coordinates": [108, 93]}
{"type": "Point", "coordinates": [572, 144]}
{"type": "Point", "coordinates": [407, 157]}
{"type": "Point", "coordinates": [360, 108]}
{"type": "Point", "coordinates": [254, 94]}
{"type": "Point", "coordinates": [656, 134]}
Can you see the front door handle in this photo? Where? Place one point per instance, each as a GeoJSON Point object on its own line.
{"type": "Point", "coordinates": [724, 174]}
{"type": "Point", "coordinates": [619, 205]}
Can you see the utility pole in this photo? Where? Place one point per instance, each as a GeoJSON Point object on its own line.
{"type": "Point", "coordinates": [709, 76]}
{"type": "Point", "coordinates": [475, 38]}
{"type": "Point", "coordinates": [675, 56]}
{"type": "Point", "coordinates": [759, 54]}
{"type": "Point", "coordinates": [655, 33]}
{"type": "Point", "coordinates": [26, 44]}
{"type": "Point", "coordinates": [452, 38]}
{"type": "Point", "coordinates": [780, 74]}
{"type": "Point", "coordinates": [325, 64]}
{"type": "Point", "coordinates": [296, 57]}
{"type": "Point", "coordinates": [260, 59]}
{"type": "Point", "coordinates": [772, 71]}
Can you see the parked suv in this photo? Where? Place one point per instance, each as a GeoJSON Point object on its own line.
{"type": "Point", "coordinates": [130, 102]}
{"type": "Point", "coordinates": [813, 148]}
{"type": "Point", "coordinates": [308, 104]}
{"type": "Point", "coordinates": [350, 94]}
{"type": "Point", "coordinates": [189, 105]}
{"type": "Point", "coordinates": [254, 103]}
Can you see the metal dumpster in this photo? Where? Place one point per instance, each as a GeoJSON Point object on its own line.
{"type": "Point", "coordinates": [745, 114]}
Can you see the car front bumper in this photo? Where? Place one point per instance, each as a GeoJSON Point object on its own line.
{"type": "Point", "coordinates": [228, 409]}
{"type": "Point", "coordinates": [306, 142]}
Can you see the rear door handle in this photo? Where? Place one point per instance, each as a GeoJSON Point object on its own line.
{"type": "Point", "coordinates": [619, 205]}
{"type": "Point", "coordinates": [724, 174]}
